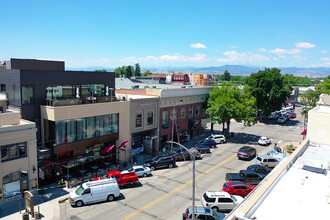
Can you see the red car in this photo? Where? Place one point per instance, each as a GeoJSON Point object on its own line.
{"type": "Point", "coordinates": [237, 188]}
{"type": "Point", "coordinates": [125, 179]}
{"type": "Point", "coordinates": [292, 115]}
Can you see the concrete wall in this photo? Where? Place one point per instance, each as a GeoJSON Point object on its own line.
{"type": "Point", "coordinates": [9, 118]}
{"type": "Point", "coordinates": [317, 118]}
{"type": "Point", "coordinates": [24, 132]}
{"type": "Point", "coordinates": [32, 64]}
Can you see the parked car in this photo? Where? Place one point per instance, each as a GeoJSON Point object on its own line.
{"type": "Point", "coordinates": [292, 115]}
{"type": "Point", "coordinates": [218, 138]}
{"type": "Point", "coordinates": [245, 176]}
{"type": "Point", "coordinates": [139, 170]}
{"type": "Point", "coordinates": [161, 162]}
{"type": "Point", "coordinates": [281, 120]}
{"type": "Point", "coordinates": [246, 152]}
{"type": "Point", "coordinates": [220, 201]}
{"type": "Point", "coordinates": [274, 116]}
{"type": "Point", "coordinates": [209, 143]}
{"type": "Point", "coordinates": [125, 179]}
{"type": "Point", "coordinates": [259, 169]}
{"type": "Point", "coordinates": [90, 192]}
{"type": "Point", "coordinates": [237, 188]}
{"type": "Point", "coordinates": [267, 161]}
{"type": "Point", "coordinates": [183, 154]}
{"type": "Point", "coordinates": [264, 141]}
{"type": "Point", "coordinates": [202, 213]}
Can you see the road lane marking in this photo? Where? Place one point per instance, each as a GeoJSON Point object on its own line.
{"type": "Point", "coordinates": [178, 188]}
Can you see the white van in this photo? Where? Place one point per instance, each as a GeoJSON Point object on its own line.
{"type": "Point", "coordinates": [95, 191]}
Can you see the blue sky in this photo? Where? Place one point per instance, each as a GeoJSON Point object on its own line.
{"type": "Point", "coordinates": [158, 33]}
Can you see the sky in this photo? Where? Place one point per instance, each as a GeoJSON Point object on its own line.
{"type": "Point", "coordinates": [163, 33]}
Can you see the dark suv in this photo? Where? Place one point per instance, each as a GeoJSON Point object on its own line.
{"type": "Point", "coordinates": [185, 155]}
{"type": "Point", "coordinates": [161, 162]}
{"type": "Point", "coordinates": [259, 169]}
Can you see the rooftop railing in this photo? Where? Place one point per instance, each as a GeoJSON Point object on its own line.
{"type": "Point", "coordinates": [78, 101]}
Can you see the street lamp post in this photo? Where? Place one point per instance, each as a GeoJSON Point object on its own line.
{"type": "Point", "coordinates": [193, 173]}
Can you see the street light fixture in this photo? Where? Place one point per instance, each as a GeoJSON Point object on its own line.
{"type": "Point", "coordinates": [193, 172]}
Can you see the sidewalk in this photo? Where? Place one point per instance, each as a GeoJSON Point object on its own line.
{"type": "Point", "coordinates": [48, 204]}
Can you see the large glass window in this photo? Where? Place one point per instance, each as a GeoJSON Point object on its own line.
{"type": "Point", "coordinates": [71, 130]}
{"type": "Point", "coordinates": [13, 151]}
{"type": "Point", "coordinates": [107, 124]}
{"type": "Point", "coordinates": [99, 126]}
{"type": "Point", "coordinates": [60, 132]}
{"type": "Point", "coordinates": [81, 129]}
{"type": "Point", "coordinates": [183, 112]}
{"type": "Point", "coordinates": [95, 90]}
{"type": "Point", "coordinates": [115, 126]}
{"type": "Point", "coordinates": [173, 114]}
{"type": "Point", "coordinates": [27, 94]}
{"type": "Point", "coordinates": [138, 121]}
{"type": "Point", "coordinates": [90, 127]}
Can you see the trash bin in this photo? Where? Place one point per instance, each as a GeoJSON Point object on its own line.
{"type": "Point", "coordinates": [36, 215]}
{"type": "Point", "coordinates": [25, 216]}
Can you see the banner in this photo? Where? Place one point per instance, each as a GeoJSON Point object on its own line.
{"type": "Point", "coordinates": [107, 149]}
{"type": "Point", "coordinates": [123, 144]}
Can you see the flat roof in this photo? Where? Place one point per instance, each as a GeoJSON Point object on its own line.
{"type": "Point", "coordinates": [300, 194]}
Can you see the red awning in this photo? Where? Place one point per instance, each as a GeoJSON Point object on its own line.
{"type": "Point", "coordinates": [304, 132]}
{"type": "Point", "coordinates": [123, 144]}
{"type": "Point", "coordinates": [107, 149]}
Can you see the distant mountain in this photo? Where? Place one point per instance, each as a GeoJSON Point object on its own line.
{"type": "Point", "coordinates": [233, 69]}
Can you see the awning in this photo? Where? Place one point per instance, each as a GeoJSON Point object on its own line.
{"type": "Point", "coordinates": [304, 132]}
{"type": "Point", "coordinates": [123, 144]}
{"type": "Point", "coordinates": [107, 149]}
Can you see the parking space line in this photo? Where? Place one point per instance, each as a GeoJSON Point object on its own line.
{"type": "Point", "coordinates": [178, 188]}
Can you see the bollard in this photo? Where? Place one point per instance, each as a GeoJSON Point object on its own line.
{"type": "Point", "coordinates": [25, 216]}
{"type": "Point", "coordinates": [19, 207]}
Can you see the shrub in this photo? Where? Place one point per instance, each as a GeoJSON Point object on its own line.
{"type": "Point", "coordinates": [290, 148]}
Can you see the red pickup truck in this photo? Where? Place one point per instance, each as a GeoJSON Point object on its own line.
{"type": "Point", "coordinates": [126, 179]}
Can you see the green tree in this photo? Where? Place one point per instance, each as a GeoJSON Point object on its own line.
{"type": "Point", "coordinates": [137, 70]}
{"type": "Point", "coordinates": [308, 101]}
{"type": "Point", "coordinates": [229, 102]}
{"type": "Point", "coordinates": [146, 73]}
{"type": "Point", "coordinates": [226, 76]}
{"type": "Point", "coordinates": [324, 87]}
{"type": "Point", "coordinates": [269, 88]}
{"type": "Point", "coordinates": [120, 71]}
{"type": "Point", "coordinates": [129, 70]}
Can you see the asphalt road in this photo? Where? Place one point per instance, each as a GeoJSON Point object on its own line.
{"type": "Point", "coordinates": [167, 193]}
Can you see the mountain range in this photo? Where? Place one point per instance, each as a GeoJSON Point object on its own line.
{"type": "Point", "coordinates": [232, 69]}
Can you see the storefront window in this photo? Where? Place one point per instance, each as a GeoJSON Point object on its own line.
{"type": "Point", "coordinates": [107, 124]}
{"type": "Point", "coordinates": [115, 123]}
{"type": "Point", "coordinates": [150, 118]}
{"type": "Point", "coordinates": [99, 126]}
{"type": "Point", "coordinates": [11, 184]}
{"type": "Point", "coordinates": [27, 95]}
{"type": "Point", "coordinates": [81, 129]}
{"type": "Point", "coordinates": [60, 132]}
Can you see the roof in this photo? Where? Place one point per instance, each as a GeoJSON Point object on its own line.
{"type": "Point", "coordinates": [200, 209]}
{"type": "Point", "coordinates": [217, 194]}
{"type": "Point", "coordinates": [235, 183]}
{"type": "Point", "coordinates": [287, 193]}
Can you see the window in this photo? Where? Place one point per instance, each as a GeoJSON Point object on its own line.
{"type": "Point", "coordinates": [150, 118]}
{"type": "Point", "coordinates": [164, 118]}
{"type": "Point", "coordinates": [27, 94]}
{"type": "Point", "coordinates": [2, 88]}
{"type": "Point", "coordinates": [87, 191]}
{"type": "Point", "coordinates": [191, 112]}
{"type": "Point", "coordinates": [183, 113]}
{"type": "Point", "coordinates": [13, 151]}
{"type": "Point", "coordinates": [138, 121]}
{"type": "Point", "coordinates": [198, 110]}
{"type": "Point", "coordinates": [173, 114]}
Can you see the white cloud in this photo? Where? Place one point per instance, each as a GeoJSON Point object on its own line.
{"type": "Point", "coordinates": [300, 58]}
{"type": "Point", "coordinates": [262, 49]}
{"type": "Point", "coordinates": [198, 45]}
{"type": "Point", "coordinates": [234, 47]}
{"type": "Point", "coordinates": [275, 58]}
{"type": "Point", "coordinates": [304, 45]}
{"type": "Point", "coordinates": [166, 58]}
{"type": "Point", "coordinates": [326, 61]}
{"type": "Point", "coordinates": [235, 57]}
{"type": "Point", "coordinates": [283, 52]}
{"type": "Point", "coordinates": [323, 51]}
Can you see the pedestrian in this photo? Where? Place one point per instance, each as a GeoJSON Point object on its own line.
{"type": "Point", "coordinates": [164, 149]}
{"type": "Point", "coordinates": [156, 151]}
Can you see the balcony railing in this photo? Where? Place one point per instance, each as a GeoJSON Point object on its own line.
{"type": "Point", "coordinates": [78, 101]}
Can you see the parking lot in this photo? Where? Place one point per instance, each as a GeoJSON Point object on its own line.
{"type": "Point", "coordinates": [168, 192]}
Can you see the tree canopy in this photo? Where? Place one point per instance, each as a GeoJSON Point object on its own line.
{"type": "Point", "coordinates": [269, 88]}
{"type": "Point", "coordinates": [146, 73]}
{"type": "Point", "coordinates": [128, 71]}
{"type": "Point", "coordinates": [229, 102]}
